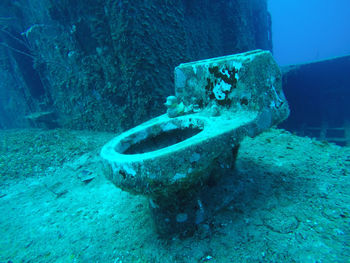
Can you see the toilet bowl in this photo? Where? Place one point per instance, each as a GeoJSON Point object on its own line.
{"type": "Point", "coordinates": [171, 158]}
{"type": "Point", "coordinates": [164, 155]}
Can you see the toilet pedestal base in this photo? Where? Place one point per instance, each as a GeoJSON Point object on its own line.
{"type": "Point", "coordinates": [182, 212]}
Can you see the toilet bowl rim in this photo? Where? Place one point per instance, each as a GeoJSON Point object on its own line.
{"type": "Point", "coordinates": [108, 151]}
{"type": "Point", "coordinates": [210, 130]}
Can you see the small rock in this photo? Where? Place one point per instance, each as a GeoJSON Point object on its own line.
{"type": "Point", "coordinates": [86, 176]}
{"type": "Point", "coordinates": [207, 258]}
{"type": "Point", "coordinates": [58, 189]}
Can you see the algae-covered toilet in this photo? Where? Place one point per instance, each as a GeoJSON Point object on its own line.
{"type": "Point", "coordinates": [172, 158]}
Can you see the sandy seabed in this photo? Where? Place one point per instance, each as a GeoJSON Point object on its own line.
{"type": "Point", "coordinates": [56, 206]}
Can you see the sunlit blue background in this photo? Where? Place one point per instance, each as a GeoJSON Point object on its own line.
{"type": "Point", "coordinates": [305, 30]}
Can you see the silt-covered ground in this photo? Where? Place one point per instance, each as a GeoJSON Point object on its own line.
{"type": "Point", "coordinates": [292, 204]}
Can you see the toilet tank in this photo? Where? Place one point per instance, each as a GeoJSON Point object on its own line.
{"type": "Point", "coordinates": [249, 81]}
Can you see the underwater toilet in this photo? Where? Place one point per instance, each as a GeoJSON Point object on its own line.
{"type": "Point", "coordinates": [172, 158]}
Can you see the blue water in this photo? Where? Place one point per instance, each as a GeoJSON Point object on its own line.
{"type": "Point", "coordinates": [304, 30]}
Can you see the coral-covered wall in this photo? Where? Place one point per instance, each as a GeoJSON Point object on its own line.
{"type": "Point", "coordinates": [108, 65]}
